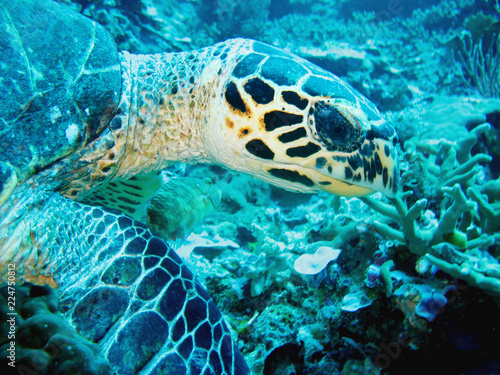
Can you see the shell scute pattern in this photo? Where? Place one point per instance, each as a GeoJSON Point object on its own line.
{"type": "Point", "coordinates": [49, 113]}
{"type": "Point", "coordinates": [152, 284]}
{"type": "Point", "coordinates": [173, 301]}
{"type": "Point", "coordinates": [150, 262]}
{"type": "Point", "coordinates": [116, 274]}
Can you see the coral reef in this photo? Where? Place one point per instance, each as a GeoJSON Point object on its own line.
{"type": "Point", "coordinates": [45, 343]}
{"type": "Point", "coordinates": [477, 50]}
{"type": "Point", "coordinates": [456, 234]}
{"type": "Point", "coordinates": [149, 26]}
{"type": "Point", "coordinates": [240, 17]}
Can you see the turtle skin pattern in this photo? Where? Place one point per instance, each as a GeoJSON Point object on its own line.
{"type": "Point", "coordinates": [122, 287]}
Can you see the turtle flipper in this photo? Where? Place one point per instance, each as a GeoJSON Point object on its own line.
{"type": "Point", "coordinates": [124, 288]}
{"type": "Point", "coordinates": [146, 301]}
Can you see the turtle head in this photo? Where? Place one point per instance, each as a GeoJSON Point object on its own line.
{"type": "Point", "coordinates": [287, 122]}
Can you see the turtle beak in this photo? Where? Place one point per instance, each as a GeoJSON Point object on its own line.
{"type": "Point", "coordinates": [379, 169]}
{"type": "Point", "coordinates": [375, 165]}
{"type": "Point", "coordinates": [379, 155]}
{"type": "Point", "coordinates": [372, 167]}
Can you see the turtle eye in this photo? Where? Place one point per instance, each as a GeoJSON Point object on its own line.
{"type": "Point", "coordinates": [338, 131]}
{"type": "Point", "coordinates": [335, 130]}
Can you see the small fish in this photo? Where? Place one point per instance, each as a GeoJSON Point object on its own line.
{"type": "Point", "coordinates": [171, 208]}
{"type": "Point", "coordinates": [180, 205]}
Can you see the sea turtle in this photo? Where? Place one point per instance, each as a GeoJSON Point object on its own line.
{"type": "Point", "coordinates": [76, 116]}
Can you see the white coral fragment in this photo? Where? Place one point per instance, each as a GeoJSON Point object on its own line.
{"type": "Point", "coordinates": [312, 264]}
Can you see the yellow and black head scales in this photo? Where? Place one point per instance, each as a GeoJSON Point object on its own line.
{"type": "Point", "coordinates": [302, 128]}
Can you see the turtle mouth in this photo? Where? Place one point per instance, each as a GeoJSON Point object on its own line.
{"type": "Point", "coordinates": [373, 167]}
{"type": "Point", "coordinates": [344, 154]}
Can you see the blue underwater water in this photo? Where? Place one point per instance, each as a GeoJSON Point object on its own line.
{"type": "Point", "coordinates": [306, 283]}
